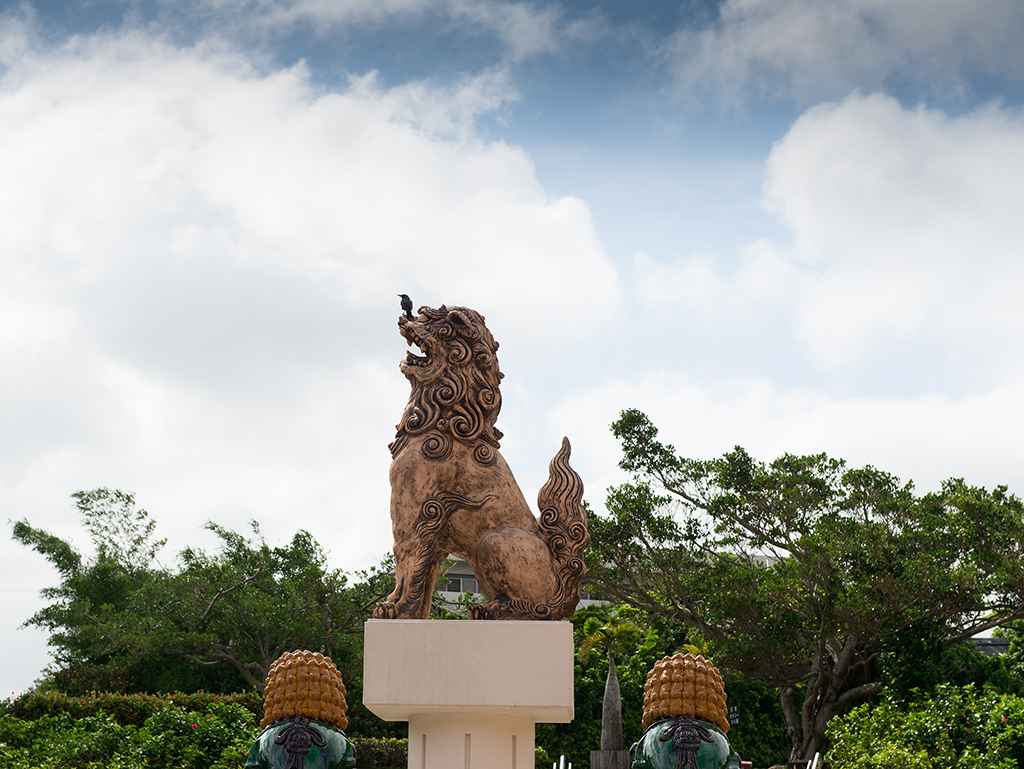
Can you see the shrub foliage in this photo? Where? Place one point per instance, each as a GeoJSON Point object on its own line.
{"type": "Point", "coordinates": [173, 737]}
{"type": "Point", "coordinates": [952, 728]}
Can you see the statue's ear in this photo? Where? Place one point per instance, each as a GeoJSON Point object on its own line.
{"type": "Point", "coordinates": [462, 324]}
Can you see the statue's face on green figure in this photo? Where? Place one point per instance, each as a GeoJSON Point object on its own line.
{"type": "Point", "coordinates": [684, 742]}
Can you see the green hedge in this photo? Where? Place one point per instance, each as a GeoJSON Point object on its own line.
{"type": "Point", "coordinates": [142, 731]}
{"type": "Point", "coordinates": [952, 728]}
{"type": "Point", "coordinates": [171, 738]}
{"type": "Point", "coordinates": [381, 753]}
{"type": "Point", "coordinates": [125, 709]}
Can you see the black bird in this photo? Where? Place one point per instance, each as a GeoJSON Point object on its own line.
{"type": "Point", "coordinates": [407, 306]}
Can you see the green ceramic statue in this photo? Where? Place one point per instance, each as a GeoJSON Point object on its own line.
{"type": "Point", "coordinates": [685, 718]}
{"type": "Point", "coordinates": [303, 716]}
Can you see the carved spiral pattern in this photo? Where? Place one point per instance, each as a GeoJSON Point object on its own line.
{"type": "Point", "coordinates": [563, 524]}
{"type": "Point", "coordinates": [449, 390]}
{"type": "Point", "coordinates": [564, 541]}
{"type": "Point", "coordinates": [415, 419]}
{"type": "Point", "coordinates": [557, 541]}
{"type": "Point", "coordinates": [465, 400]}
{"type": "Point", "coordinates": [421, 417]}
{"type": "Point", "coordinates": [435, 511]}
{"type": "Point", "coordinates": [466, 424]}
{"type": "Point", "coordinates": [432, 515]}
{"type": "Point", "coordinates": [437, 446]}
{"type": "Point", "coordinates": [485, 455]}
{"type": "Point", "coordinates": [459, 353]}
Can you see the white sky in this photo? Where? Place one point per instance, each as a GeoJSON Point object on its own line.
{"type": "Point", "coordinates": [763, 223]}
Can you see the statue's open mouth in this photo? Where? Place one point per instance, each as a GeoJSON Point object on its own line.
{"type": "Point", "coordinates": [412, 338]}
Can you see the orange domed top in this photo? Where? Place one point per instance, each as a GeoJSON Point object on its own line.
{"type": "Point", "coordinates": [304, 683]}
{"type": "Point", "coordinates": [685, 685]}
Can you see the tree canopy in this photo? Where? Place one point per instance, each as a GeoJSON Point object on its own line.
{"type": "Point", "coordinates": [804, 573]}
{"type": "Point", "coordinates": [120, 615]}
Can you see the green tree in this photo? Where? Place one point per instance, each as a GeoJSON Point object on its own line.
{"type": "Point", "coordinates": [802, 573]}
{"type": "Point", "coordinates": [246, 604]}
{"type": "Point", "coordinates": [90, 590]}
{"type": "Point", "coordinates": [612, 638]}
{"type": "Point", "coordinates": [234, 611]}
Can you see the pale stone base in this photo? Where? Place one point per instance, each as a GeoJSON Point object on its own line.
{"type": "Point", "coordinates": [470, 690]}
{"type": "Point", "coordinates": [470, 740]}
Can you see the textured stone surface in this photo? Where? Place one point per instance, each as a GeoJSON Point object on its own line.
{"type": "Point", "coordinates": [453, 666]}
{"type": "Point", "coordinates": [453, 493]}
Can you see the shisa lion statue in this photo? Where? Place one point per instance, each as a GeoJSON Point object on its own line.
{"type": "Point", "coordinates": [453, 494]}
{"type": "Point", "coordinates": [303, 716]}
{"type": "Point", "coordinates": [685, 720]}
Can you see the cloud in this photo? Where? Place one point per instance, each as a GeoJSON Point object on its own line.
{"type": "Point", "coordinates": [906, 242]}
{"type": "Point", "coordinates": [201, 261]}
{"type": "Point", "coordinates": [811, 50]}
{"type": "Point", "coordinates": [910, 218]}
{"type": "Point", "coordinates": [926, 438]}
{"type": "Point", "coordinates": [524, 29]}
{"type": "Point", "coordinates": [761, 279]}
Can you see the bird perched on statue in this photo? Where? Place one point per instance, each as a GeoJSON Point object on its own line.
{"type": "Point", "coordinates": [407, 306]}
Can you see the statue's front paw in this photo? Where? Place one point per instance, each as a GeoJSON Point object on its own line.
{"type": "Point", "coordinates": [386, 610]}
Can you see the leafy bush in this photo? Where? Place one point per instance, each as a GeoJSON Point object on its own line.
{"type": "Point", "coordinates": [171, 738]}
{"type": "Point", "coordinates": [174, 738]}
{"type": "Point", "coordinates": [125, 709]}
{"type": "Point", "coordinates": [380, 753]}
{"type": "Point", "coordinates": [955, 728]}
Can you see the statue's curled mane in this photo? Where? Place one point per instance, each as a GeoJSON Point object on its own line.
{"type": "Point", "coordinates": [462, 399]}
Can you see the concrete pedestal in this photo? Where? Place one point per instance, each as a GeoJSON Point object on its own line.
{"type": "Point", "coordinates": [470, 690]}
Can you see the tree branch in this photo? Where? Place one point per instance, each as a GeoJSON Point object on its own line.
{"type": "Point", "coordinates": [225, 591]}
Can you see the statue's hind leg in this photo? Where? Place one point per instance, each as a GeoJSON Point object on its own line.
{"type": "Point", "coordinates": [516, 567]}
